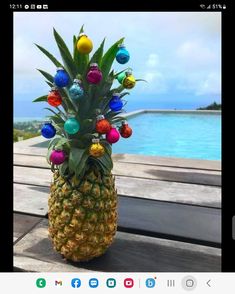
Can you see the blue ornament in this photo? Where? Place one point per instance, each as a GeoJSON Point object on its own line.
{"type": "Point", "coordinates": [122, 55]}
{"type": "Point", "coordinates": [76, 91]}
{"type": "Point", "coordinates": [48, 131]}
{"type": "Point", "coordinates": [115, 104]}
{"type": "Point", "coordinates": [61, 79]}
{"type": "Point", "coordinates": [71, 126]}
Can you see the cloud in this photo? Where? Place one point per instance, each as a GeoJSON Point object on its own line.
{"type": "Point", "coordinates": [153, 60]}
{"type": "Point", "coordinates": [195, 55]}
{"type": "Point", "coordinates": [210, 86]}
{"type": "Point", "coordinates": [199, 85]}
{"type": "Point", "coordinates": [171, 50]}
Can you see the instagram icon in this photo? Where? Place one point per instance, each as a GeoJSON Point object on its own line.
{"type": "Point", "coordinates": [128, 283]}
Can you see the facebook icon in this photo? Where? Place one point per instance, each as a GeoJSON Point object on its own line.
{"type": "Point", "coordinates": [76, 283]}
{"type": "Point", "coordinates": [150, 283]}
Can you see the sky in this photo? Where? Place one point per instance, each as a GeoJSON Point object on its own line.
{"type": "Point", "coordinates": [178, 53]}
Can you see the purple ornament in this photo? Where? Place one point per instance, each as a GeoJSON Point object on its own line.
{"type": "Point", "coordinates": [57, 157]}
{"type": "Point", "coordinates": [94, 75]}
{"type": "Point", "coordinates": [113, 135]}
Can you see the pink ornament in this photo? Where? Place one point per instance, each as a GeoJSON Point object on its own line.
{"type": "Point", "coordinates": [113, 135]}
{"type": "Point", "coordinates": [57, 157]}
{"type": "Point", "coordinates": [94, 75]}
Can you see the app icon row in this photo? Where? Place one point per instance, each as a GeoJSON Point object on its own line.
{"type": "Point", "coordinates": [94, 283]}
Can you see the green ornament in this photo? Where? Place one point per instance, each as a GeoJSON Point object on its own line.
{"type": "Point", "coordinates": [71, 126]}
{"type": "Point", "coordinates": [121, 77]}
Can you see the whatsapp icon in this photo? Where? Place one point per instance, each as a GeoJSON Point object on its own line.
{"type": "Point", "coordinates": [41, 283]}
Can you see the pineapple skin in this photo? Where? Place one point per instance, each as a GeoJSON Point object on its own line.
{"type": "Point", "coordinates": [82, 215]}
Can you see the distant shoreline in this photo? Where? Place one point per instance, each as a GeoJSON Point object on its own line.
{"type": "Point", "coordinates": [129, 114]}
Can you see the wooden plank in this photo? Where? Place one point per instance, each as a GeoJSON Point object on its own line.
{"type": "Point", "coordinates": [128, 253]}
{"type": "Point", "coordinates": [33, 146]}
{"type": "Point", "coordinates": [195, 224]}
{"type": "Point", "coordinates": [153, 189]}
{"type": "Point", "coordinates": [31, 199]}
{"type": "Point", "coordinates": [169, 161]}
{"type": "Point", "coordinates": [23, 224]}
{"type": "Point", "coordinates": [214, 165]}
{"type": "Point", "coordinates": [170, 191]}
{"type": "Point", "coordinates": [198, 224]}
{"type": "Point", "coordinates": [195, 176]}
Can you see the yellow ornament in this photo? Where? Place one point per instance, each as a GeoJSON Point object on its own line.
{"type": "Point", "coordinates": [129, 81]}
{"type": "Point", "coordinates": [84, 44]}
{"type": "Point", "coordinates": [96, 149]}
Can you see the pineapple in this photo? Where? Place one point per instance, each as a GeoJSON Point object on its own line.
{"type": "Point", "coordinates": [83, 200]}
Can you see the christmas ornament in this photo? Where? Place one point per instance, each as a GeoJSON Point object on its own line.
{"type": "Point", "coordinates": [48, 130]}
{"type": "Point", "coordinates": [71, 126]}
{"type": "Point", "coordinates": [115, 104]}
{"type": "Point", "coordinates": [125, 130]}
{"type": "Point", "coordinates": [102, 125]}
{"type": "Point", "coordinates": [57, 157]}
{"type": "Point", "coordinates": [113, 135]}
{"type": "Point", "coordinates": [96, 149]}
{"type": "Point", "coordinates": [84, 44]}
{"type": "Point", "coordinates": [76, 90]}
{"type": "Point", "coordinates": [94, 75]}
{"type": "Point", "coordinates": [121, 77]}
{"type": "Point", "coordinates": [129, 81]}
{"type": "Point", "coordinates": [54, 98]}
{"type": "Point", "coordinates": [122, 55]}
{"type": "Point", "coordinates": [61, 78]}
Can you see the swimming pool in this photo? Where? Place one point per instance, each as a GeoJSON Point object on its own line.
{"type": "Point", "coordinates": [186, 135]}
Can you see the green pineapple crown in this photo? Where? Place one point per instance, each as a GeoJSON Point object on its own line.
{"type": "Point", "coordinates": [95, 101]}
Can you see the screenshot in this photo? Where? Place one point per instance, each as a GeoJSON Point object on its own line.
{"type": "Point", "coordinates": [117, 181]}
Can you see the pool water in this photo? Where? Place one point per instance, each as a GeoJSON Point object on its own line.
{"type": "Point", "coordinates": [174, 134]}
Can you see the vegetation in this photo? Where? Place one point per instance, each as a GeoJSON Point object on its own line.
{"type": "Point", "coordinates": [21, 135]}
{"type": "Point", "coordinates": [26, 130]}
{"type": "Point", "coordinates": [212, 106]}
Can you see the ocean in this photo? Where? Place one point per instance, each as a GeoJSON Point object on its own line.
{"type": "Point", "coordinates": [27, 111]}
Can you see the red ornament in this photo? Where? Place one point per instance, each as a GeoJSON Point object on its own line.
{"type": "Point", "coordinates": [54, 98]}
{"type": "Point", "coordinates": [102, 125]}
{"type": "Point", "coordinates": [125, 130]}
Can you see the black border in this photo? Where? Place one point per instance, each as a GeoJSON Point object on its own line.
{"type": "Point", "coordinates": [6, 117]}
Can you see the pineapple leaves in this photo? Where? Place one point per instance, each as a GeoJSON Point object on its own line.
{"type": "Point", "coordinates": [50, 84]}
{"type": "Point", "coordinates": [66, 55]}
{"type": "Point", "coordinates": [105, 163]}
{"type": "Point", "coordinates": [46, 75]}
{"type": "Point", "coordinates": [41, 99]}
{"type": "Point", "coordinates": [63, 169]}
{"type": "Point", "coordinates": [81, 29]}
{"type": "Point", "coordinates": [50, 56]}
{"type": "Point", "coordinates": [77, 160]}
{"type": "Point", "coordinates": [53, 142]}
{"type": "Point", "coordinates": [52, 111]}
{"type": "Point", "coordinates": [97, 57]}
{"type": "Point", "coordinates": [108, 58]}
{"type": "Point", "coordinates": [81, 60]}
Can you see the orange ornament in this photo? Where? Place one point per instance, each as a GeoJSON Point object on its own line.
{"type": "Point", "coordinates": [54, 98]}
{"type": "Point", "coordinates": [125, 130]}
{"type": "Point", "coordinates": [102, 125]}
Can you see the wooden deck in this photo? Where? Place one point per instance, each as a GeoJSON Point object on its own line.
{"type": "Point", "coordinates": [169, 215]}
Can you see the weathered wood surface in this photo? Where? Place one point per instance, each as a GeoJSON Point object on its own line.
{"type": "Point", "coordinates": [193, 223]}
{"type": "Point", "coordinates": [23, 224]}
{"type": "Point", "coordinates": [183, 175]}
{"type": "Point", "coordinates": [128, 253]}
{"type": "Point", "coordinates": [136, 187]}
{"type": "Point", "coordinates": [170, 180]}
{"type": "Point", "coordinates": [31, 199]}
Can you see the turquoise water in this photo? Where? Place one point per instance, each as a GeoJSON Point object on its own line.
{"type": "Point", "coordinates": [175, 135]}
